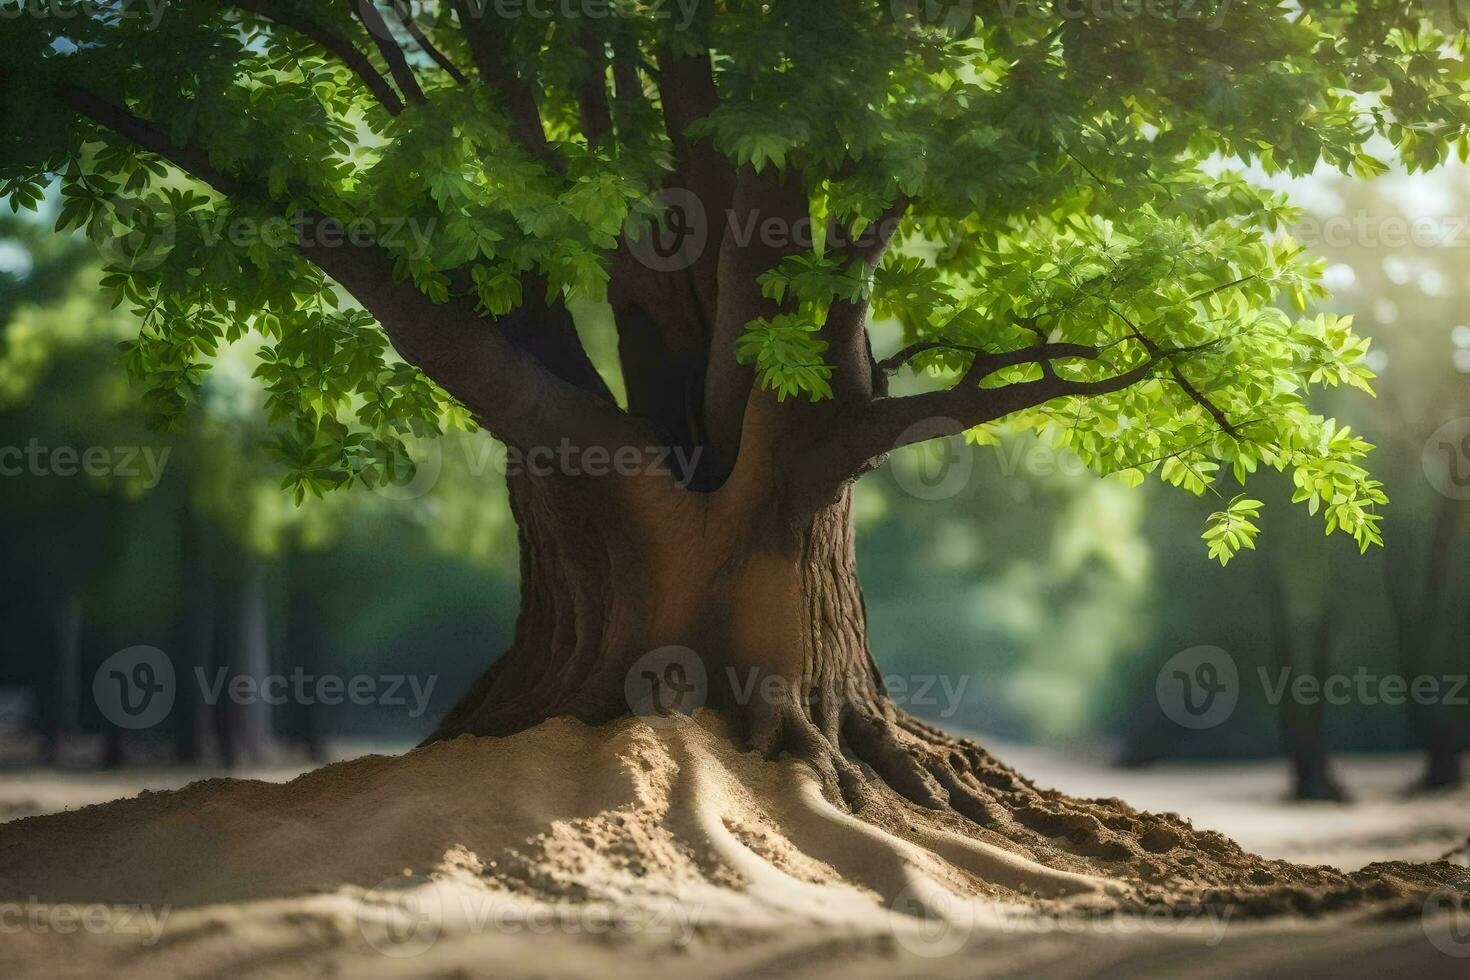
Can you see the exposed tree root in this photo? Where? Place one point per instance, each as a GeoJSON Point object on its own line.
{"type": "Point", "coordinates": [946, 795]}
{"type": "Point", "coordinates": [675, 813]}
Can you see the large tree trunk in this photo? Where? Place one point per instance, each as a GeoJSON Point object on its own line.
{"type": "Point", "coordinates": [649, 598]}
{"type": "Point", "coordinates": [768, 610]}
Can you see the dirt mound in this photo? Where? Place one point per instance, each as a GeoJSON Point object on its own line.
{"type": "Point", "coordinates": [570, 812]}
{"type": "Point", "coordinates": [671, 830]}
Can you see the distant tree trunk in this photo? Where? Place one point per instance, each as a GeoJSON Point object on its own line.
{"type": "Point", "coordinates": [197, 640]}
{"type": "Point", "coordinates": [225, 714]}
{"type": "Point", "coordinates": [1436, 727]}
{"type": "Point", "coordinates": [253, 637]}
{"type": "Point", "coordinates": [302, 645]}
{"type": "Point", "coordinates": [1444, 757]}
{"type": "Point", "coordinates": [65, 709]}
{"type": "Point", "coordinates": [1304, 726]}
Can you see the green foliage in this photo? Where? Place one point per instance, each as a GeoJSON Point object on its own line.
{"type": "Point", "coordinates": [1064, 174]}
{"type": "Point", "coordinates": [1233, 528]}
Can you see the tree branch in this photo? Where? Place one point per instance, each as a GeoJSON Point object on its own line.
{"type": "Point", "coordinates": [592, 107]}
{"type": "Point", "coordinates": [495, 72]}
{"type": "Point", "coordinates": [405, 14]}
{"type": "Point", "coordinates": [1184, 383]}
{"type": "Point", "coordinates": [382, 36]}
{"type": "Point", "coordinates": [761, 201]}
{"type": "Point", "coordinates": [627, 85]}
{"type": "Point", "coordinates": [892, 423]}
{"type": "Point", "coordinates": [687, 93]}
{"type": "Point", "coordinates": [508, 390]}
{"type": "Point", "coordinates": [855, 375]}
{"type": "Point", "coordinates": [870, 245]}
{"type": "Point", "coordinates": [988, 362]}
{"type": "Point", "coordinates": [333, 43]}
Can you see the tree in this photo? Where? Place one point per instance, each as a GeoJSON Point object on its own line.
{"type": "Point", "coordinates": [1400, 268]}
{"type": "Point", "coordinates": [1033, 196]}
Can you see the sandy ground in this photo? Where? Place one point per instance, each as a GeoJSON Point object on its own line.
{"type": "Point", "coordinates": [434, 868]}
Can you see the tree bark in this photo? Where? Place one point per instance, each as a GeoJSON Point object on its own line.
{"type": "Point", "coordinates": [650, 599]}
{"type": "Point", "coordinates": [770, 608]}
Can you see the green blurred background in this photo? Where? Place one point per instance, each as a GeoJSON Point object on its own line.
{"type": "Point", "coordinates": [1037, 601]}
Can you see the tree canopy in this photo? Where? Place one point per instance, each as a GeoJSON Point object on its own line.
{"type": "Point", "coordinates": [1055, 205]}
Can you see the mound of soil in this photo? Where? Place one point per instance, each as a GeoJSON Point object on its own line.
{"type": "Point", "coordinates": [668, 835]}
